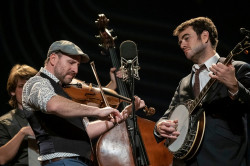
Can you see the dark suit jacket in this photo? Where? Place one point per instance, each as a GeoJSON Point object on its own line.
{"type": "Point", "coordinates": [10, 124]}
{"type": "Point", "coordinates": [225, 137]}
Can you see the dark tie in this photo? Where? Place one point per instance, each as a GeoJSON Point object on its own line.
{"type": "Point", "coordinates": [196, 87]}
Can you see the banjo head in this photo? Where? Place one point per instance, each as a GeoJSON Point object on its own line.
{"type": "Point", "coordinates": [180, 113]}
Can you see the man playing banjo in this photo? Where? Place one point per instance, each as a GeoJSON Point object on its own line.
{"type": "Point", "coordinates": [210, 129]}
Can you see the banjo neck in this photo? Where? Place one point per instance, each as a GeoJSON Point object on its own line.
{"type": "Point", "coordinates": [197, 101]}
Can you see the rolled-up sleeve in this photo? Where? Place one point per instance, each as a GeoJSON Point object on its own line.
{"type": "Point", "coordinates": [36, 93]}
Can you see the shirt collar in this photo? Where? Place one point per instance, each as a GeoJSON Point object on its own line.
{"type": "Point", "coordinates": [213, 60]}
{"type": "Point", "coordinates": [44, 71]}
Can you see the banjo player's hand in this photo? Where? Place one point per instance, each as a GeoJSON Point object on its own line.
{"type": "Point", "coordinates": [226, 75]}
{"type": "Point", "coordinates": [168, 129]}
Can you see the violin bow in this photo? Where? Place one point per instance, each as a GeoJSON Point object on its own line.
{"type": "Point", "coordinates": [92, 64]}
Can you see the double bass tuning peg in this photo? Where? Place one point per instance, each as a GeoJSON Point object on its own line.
{"type": "Point", "coordinates": [97, 36]}
{"type": "Point", "coordinates": [110, 31]}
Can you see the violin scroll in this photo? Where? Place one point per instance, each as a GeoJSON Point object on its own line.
{"type": "Point", "coordinates": [149, 111]}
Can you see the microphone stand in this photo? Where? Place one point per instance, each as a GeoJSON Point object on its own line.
{"type": "Point", "coordinates": [130, 68]}
{"type": "Point", "coordinates": [132, 88]}
{"type": "Point", "coordinates": [138, 153]}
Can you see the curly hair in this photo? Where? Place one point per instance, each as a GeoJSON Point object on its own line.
{"type": "Point", "coordinates": [18, 72]}
{"type": "Point", "coordinates": [200, 24]}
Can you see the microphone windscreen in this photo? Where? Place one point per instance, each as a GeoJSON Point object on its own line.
{"type": "Point", "coordinates": [128, 50]}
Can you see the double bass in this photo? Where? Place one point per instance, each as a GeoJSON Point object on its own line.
{"type": "Point", "coordinates": [116, 147]}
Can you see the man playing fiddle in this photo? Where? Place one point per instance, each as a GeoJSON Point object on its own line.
{"type": "Point", "coordinates": [63, 137]}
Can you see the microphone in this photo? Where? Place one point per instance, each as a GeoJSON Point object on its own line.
{"type": "Point", "coordinates": [244, 31]}
{"type": "Point", "coordinates": [129, 60]}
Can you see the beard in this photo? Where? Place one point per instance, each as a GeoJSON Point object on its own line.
{"type": "Point", "coordinates": [196, 53]}
{"type": "Point", "coordinates": [65, 77]}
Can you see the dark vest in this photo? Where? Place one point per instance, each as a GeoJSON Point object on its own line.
{"type": "Point", "coordinates": [56, 134]}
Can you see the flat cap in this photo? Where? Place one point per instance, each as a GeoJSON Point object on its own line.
{"type": "Point", "coordinates": [68, 48]}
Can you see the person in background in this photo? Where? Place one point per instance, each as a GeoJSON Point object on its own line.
{"type": "Point", "coordinates": [13, 125]}
{"type": "Point", "coordinates": [63, 137]}
{"type": "Point", "coordinates": [11, 148]}
{"type": "Point", "coordinates": [225, 138]}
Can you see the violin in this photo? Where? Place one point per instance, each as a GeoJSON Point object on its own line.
{"type": "Point", "coordinates": [83, 93]}
{"type": "Point", "coordinates": [88, 94]}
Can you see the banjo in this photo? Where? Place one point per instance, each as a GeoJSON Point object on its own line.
{"type": "Point", "coordinates": [191, 117]}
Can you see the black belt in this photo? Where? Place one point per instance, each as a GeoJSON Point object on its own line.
{"type": "Point", "coordinates": [86, 161]}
